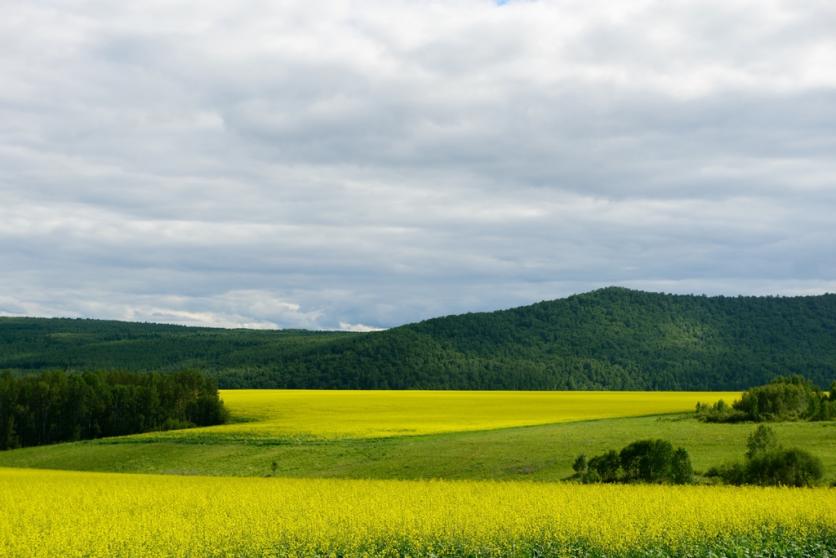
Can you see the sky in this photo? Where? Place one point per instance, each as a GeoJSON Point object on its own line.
{"type": "Point", "coordinates": [360, 165]}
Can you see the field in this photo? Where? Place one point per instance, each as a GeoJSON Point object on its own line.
{"type": "Point", "coordinates": [498, 454]}
{"type": "Point", "coordinates": [146, 515]}
{"type": "Point", "coordinates": [273, 413]}
{"type": "Point", "coordinates": [344, 440]}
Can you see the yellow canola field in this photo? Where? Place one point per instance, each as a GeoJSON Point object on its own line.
{"type": "Point", "coordinates": [372, 414]}
{"type": "Point", "coordinates": [68, 514]}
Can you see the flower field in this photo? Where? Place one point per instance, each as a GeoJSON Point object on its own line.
{"type": "Point", "coordinates": [57, 513]}
{"type": "Point", "coordinates": [374, 414]}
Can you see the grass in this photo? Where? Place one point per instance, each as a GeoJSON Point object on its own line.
{"type": "Point", "coordinates": [59, 513]}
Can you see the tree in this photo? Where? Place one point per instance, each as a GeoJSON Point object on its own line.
{"type": "Point", "coordinates": [762, 440]}
{"type": "Point", "coordinates": [579, 466]}
{"type": "Point", "coordinates": [681, 470]}
{"type": "Point", "coordinates": [56, 406]}
{"type": "Point", "coordinates": [647, 460]}
{"type": "Point", "coordinates": [605, 466]}
{"type": "Point", "coordinates": [641, 461]}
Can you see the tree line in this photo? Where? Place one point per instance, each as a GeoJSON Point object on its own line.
{"type": "Point", "coordinates": [52, 407]}
{"type": "Point", "coordinates": [784, 398]}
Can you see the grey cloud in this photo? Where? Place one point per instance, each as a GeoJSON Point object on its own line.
{"type": "Point", "coordinates": [328, 166]}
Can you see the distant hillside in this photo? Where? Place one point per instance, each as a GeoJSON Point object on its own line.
{"type": "Point", "coordinates": [612, 338]}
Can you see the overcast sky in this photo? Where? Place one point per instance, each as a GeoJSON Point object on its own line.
{"type": "Point", "coordinates": [352, 165]}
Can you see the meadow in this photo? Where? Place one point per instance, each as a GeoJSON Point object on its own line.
{"type": "Point", "coordinates": [58, 513]}
{"type": "Point", "coordinates": [317, 473]}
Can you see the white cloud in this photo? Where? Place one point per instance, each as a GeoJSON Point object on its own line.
{"type": "Point", "coordinates": [344, 326]}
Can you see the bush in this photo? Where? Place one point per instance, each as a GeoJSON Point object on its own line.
{"type": "Point", "coordinates": [719, 412]}
{"type": "Point", "coordinates": [767, 463]}
{"type": "Point", "coordinates": [606, 467]}
{"type": "Point", "coordinates": [790, 467]}
{"type": "Point", "coordinates": [642, 461]}
{"type": "Point", "coordinates": [580, 465]}
{"type": "Point", "coordinates": [647, 460]}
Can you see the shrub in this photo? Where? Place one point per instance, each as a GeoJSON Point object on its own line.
{"type": "Point", "coordinates": [652, 461]}
{"type": "Point", "coordinates": [647, 460]}
{"type": "Point", "coordinates": [580, 465]}
{"type": "Point", "coordinates": [784, 467]}
{"type": "Point", "coordinates": [606, 467]}
{"type": "Point", "coordinates": [767, 463]}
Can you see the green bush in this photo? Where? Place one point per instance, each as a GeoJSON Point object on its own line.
{"type": "Point", "coordinates": [652, 461]}
{"type": "Point", "coordinates": [784, 467]}
{"type": "Point", "coordinates": [767, 463]}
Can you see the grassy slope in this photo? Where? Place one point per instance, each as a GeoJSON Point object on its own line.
{"type": "Point", "coordinates": [536, 452]}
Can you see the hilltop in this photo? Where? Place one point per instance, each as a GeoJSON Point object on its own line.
{"type": "Point", "coordinates": [612, 338]}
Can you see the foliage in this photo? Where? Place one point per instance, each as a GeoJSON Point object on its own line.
{"type": "Point", "coordinates": [603, 468]}
{"type": "Point", "coordinates": [762, 440]}
{"type": "Point", "coordinates": [55, 406]}
{"type": "Point", "coordinates": [784, 398]}
{"type": "Point", "coordinates": [719, 412]}
{"type": "Point", "coordinates": [784, 467]}
{"type": "Point", "coordinates": [767, 463]}
{"type": "Point", "coordinates": [682, 472]}
{"type": "Point", "coordinates": [609, 339]}
{"type": "Point", "coordinates": [580, 464]}
{"type": "Point", "coordinates": [790, 398]}
{"type": "Point", "coordinates": [55, 513]}
{"type": "Point", "coordinates": [653, 461]}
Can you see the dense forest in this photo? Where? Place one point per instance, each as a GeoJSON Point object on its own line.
{"type": "Point", "coordinates": [612, 338]}
{"type": "Point", "coordinates": [51, 407]}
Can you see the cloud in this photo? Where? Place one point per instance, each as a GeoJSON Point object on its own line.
{"type": "Point", "coordinates": [329, 166]}
{"type": "Point", "coordinates": [358, 327]}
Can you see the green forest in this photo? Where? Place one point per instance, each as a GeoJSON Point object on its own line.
{"type": "Point", "coordinates": [38, 409]}
{"type": "Point", "coordinates": [612, 338]}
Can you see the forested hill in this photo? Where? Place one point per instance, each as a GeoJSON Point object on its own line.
{"type": "Point", "coordinates": [612, 338]}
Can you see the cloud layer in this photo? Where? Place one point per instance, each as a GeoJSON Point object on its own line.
{"type": "Point", "coordinates": [352, 165]}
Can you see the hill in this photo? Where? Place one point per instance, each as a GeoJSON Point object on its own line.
{"type": "Point", "coordinates": [612, 338]}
